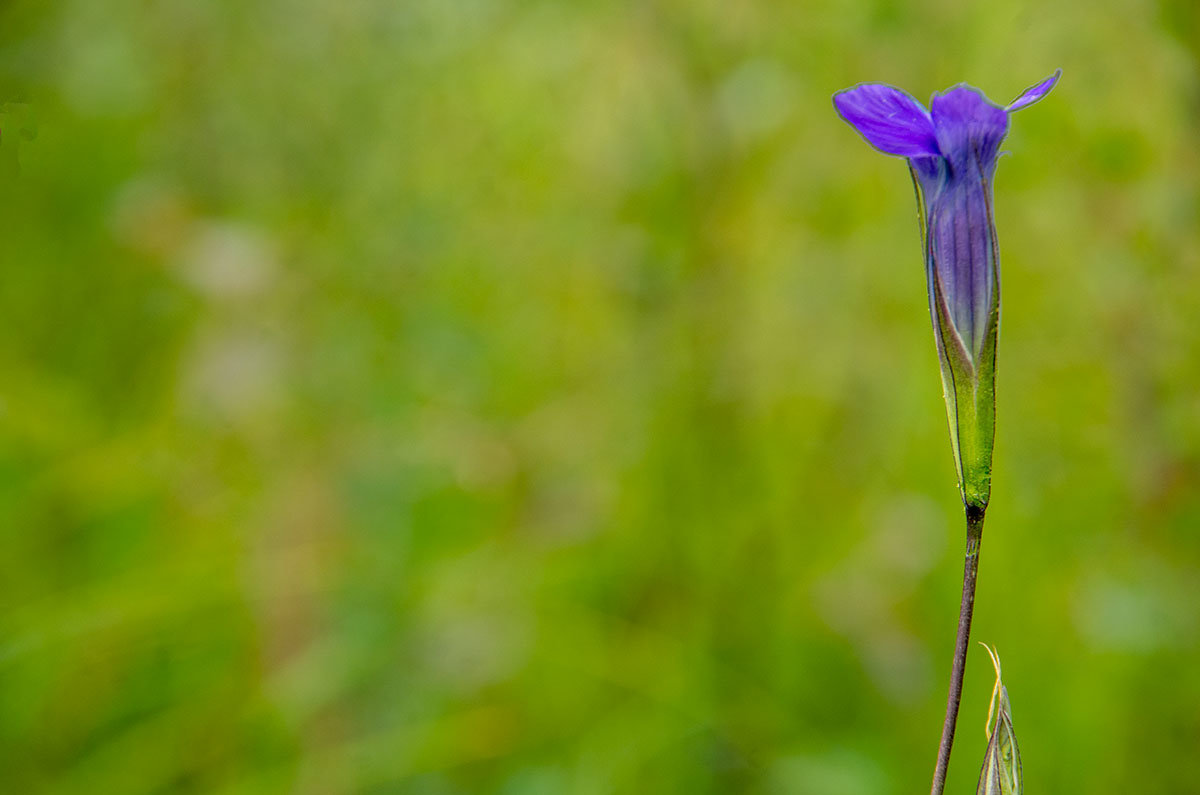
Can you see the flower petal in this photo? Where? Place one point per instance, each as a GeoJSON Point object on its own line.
{"type": "Point", "coordinates": [891, 120]}
{"type": "Point", "coordinates": [968, 125]}
{"type": "Point", "coordinates": [1034, 93]}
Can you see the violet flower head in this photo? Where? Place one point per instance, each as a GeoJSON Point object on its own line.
{"type": "Point", "coordinates": [952, 150]}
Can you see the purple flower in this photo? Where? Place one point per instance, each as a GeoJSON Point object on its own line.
{"type": "Point", "coordinates": [952, 149]}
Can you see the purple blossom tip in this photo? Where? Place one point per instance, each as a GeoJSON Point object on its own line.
{"type": "Point", "coordinates": [891, 120]}
{"type": "Point", "coordinates": [1034, 93]}
{"type": "Point", "coordinates": [965, 119]}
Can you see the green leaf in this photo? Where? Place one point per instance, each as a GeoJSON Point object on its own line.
{"type": "Point", "coordinates": [1001, 774]}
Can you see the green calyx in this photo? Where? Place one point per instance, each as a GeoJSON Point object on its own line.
{"type": "Point", "coordinates": [968, 376]}
{"type": "Point", "coordinates": [969, 388]}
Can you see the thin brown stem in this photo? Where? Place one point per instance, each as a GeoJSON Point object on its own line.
{"type": "Point", "coordinates": [967, 608]}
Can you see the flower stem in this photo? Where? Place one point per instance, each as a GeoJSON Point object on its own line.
{"type": "Point", "coordinates": [970, 571]}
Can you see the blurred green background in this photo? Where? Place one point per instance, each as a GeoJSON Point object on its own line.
{"type": "Point", "coordinates": [491, 396]}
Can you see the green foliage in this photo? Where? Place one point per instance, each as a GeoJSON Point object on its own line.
{"type": "Point", "coordinates": [504, 397]}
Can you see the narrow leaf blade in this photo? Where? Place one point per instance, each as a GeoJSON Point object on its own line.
{"type": "Point", "coordinates": [1001, 773]}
